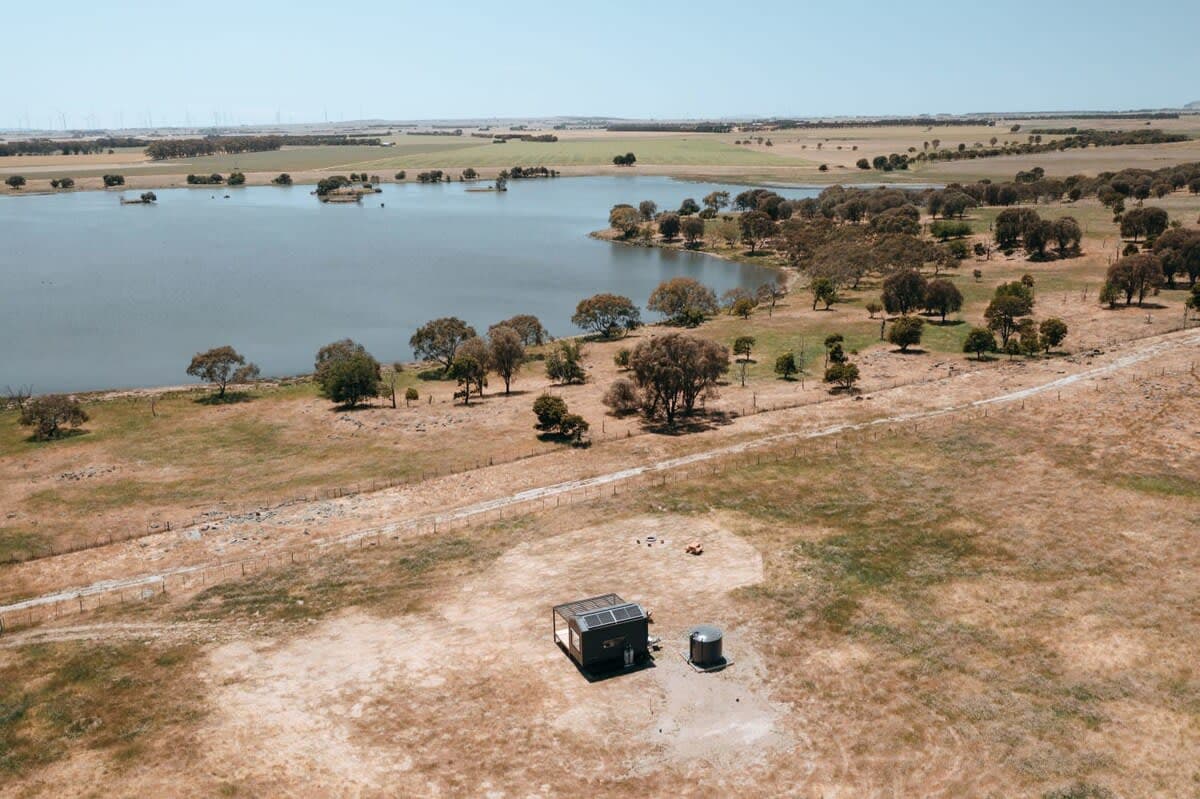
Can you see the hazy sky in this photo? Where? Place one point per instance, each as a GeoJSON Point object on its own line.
{"type": "Point", "coordinates": [103, 63]}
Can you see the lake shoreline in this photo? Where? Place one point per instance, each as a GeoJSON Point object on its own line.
{"type": "Point", "coordinates": [288, 274]}
{"type": "Point", "coordinates": [613, 237]}
{"type": "Point", "coordinates": [300, 178]}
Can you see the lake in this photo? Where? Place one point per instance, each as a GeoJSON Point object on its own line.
{"type": "Point", "coordinates": [99, 295]}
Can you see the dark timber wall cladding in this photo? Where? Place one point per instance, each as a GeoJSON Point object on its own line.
{"type": "Point", "coordinates": [603, 631]}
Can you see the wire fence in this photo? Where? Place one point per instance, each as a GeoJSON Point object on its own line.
{"type": "Point", "coordinates": [190, 578]}
{"type": "Point", "coordinates": [159, 524]}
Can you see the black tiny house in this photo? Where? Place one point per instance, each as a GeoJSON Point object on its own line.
{"type": "Point", "coordinates": [602, 631]}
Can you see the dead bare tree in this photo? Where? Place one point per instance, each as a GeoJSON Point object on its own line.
{"type": "Point", "coordinates": [18, 396]}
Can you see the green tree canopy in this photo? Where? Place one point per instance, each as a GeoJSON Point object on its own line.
{"type": "Point", "coordinates": [683, 301]}
{"type": "Point", "coordinates": [221, 366]}
{"type": "Point", "coordinates": [608, 315]}
{"type": "Point", "coordinates": [439, 339]}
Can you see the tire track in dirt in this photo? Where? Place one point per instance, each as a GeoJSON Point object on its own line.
{"type": "Point", "coordinates": [150, 582]}
{"type": "Point", "coordinates": [175, 633]}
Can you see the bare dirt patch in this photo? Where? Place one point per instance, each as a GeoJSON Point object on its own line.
{"type": "Point", "coordinates": [338, 703]}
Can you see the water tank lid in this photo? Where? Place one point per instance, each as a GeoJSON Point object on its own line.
{"type": "Point", "coordinates": [705, 633]}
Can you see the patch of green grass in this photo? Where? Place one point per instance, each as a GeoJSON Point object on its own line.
{"type": "Point", "coordinates": [884, 535]}
{"type": "Point", "coordinates": [1079, 790]}
{"type": "Point", "coordinates": [18, 544]}
{"type": "Point", "coordinates": [692, 150]}
{"type": "Point", "coordinates": [1168, 485]}
{"type": "Point", "coordinates": [102, 696]}
{"type": "Point", "coordinates": [312, 590]}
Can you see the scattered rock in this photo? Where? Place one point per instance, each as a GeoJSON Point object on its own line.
{"type": "Point", "coordinates": [87, 472]}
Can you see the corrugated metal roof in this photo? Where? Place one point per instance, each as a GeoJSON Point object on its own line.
{"type": "Point", "coordinates": [581, 606]}
{"type": "Point", "coordinates": [600, 611]}
{"type": "Point", "coordinates": [618, 614]}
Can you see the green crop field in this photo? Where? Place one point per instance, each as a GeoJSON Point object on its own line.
{"type": "Point", "coordinates": [288, 159]}
{"type": "Point", "coordinates": [300, 159]}
{"type": "Point", "coordinates": [682, 151]}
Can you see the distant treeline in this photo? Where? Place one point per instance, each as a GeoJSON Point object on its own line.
{"type": "Point", "coordinates": [1081, 140]}
{"type": "Point", "coordinates": [1107, 115]}
{"type": "Point", "coordinates": [81, 147]}
{"type": "Point", "coordinates": [517, 172]}
{"type": "Point", "coordinates": [455, 132]}
{"type": "Point", "coordinates": [544, 137]}
{"type": "Point", "coordinates": [212, 145]}
{"type": "Point", "coordinates": [669, 127]}
{"type": "Point", "coordinates": [786, 124]}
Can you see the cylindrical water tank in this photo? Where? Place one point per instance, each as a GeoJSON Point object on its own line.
{"type": "Point", "coordinates": [705, 645]}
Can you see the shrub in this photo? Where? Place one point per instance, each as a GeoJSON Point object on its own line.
{"type": "Point", "coordinates": [15, 181]}
{"type": "Point", "coordinates": [944, 229]}
{"type": "Point", "coordinates": [906, 331]}
{"type": "Point", "coordinates": [785, 365]}
{"type": "Point", "coordinates": [1052, 332]}
{"type": "Point", "coordinates": [743, 307]}
{"type": "Point", "coordinates": [843, 375]}
{"type": "Point", "coordinates": [622, 396]}
{"type": "Point", "coordinates": [563, 363]}
{"type": "Point", "coordinates": [573, 427]}
{"type": "Point", "coordinates": [669, 226]}
{"type": "Point", "coordinates": [351, 380]}
{"type": "Point", "coordinates": [554, 417]}
{"type": "Point", "coordinates": [47, 415]}
{"type": "Point", "coordinates": [549, 410]}
{"type": "Point", "coordinates": [979, 340]}
{"type": "Point", "coordinates": [346, 373]}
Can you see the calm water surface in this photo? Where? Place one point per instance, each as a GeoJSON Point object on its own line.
{"type": "Point", "coordinates": [98, 295]}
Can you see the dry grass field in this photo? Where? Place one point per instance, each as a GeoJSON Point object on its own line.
{"type": "Point", "coordinates": [972, 578]}
{"type": "Point", "coordinates": [794, 156]}
{"type": "Point", "coordinates": [949, 610]}
{"type": "Point", "coordinates": [181, 459]}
